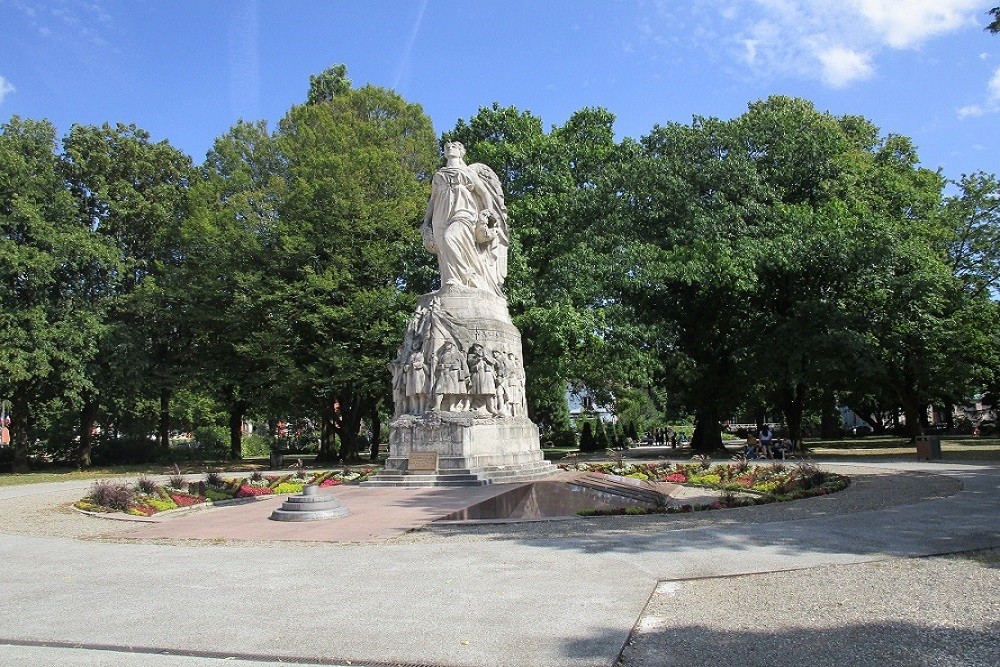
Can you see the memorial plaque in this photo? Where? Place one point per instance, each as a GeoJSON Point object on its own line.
{"type": "Point", "coordinates": [422, 462]}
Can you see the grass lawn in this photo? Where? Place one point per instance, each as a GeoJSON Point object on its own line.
{"type": "Point", "coordinates": [57, 474]}
{"type": "Point", "coordinates": [953, 448]}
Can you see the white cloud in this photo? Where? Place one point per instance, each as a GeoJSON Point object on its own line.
{"type": "Point", "coordinates": [971, 111]}
{"type": "Point", "coordinates": [838, 43]}
{"type": "Point", "coordinates": [993, 87]}
{"type": "Point", "coordinates": [907, 24]}
{"type": "Point", "coordinates": [992, 103]}
{"type": "Point", "coordinates": [843, 66]}
{"type": "Point", "coordinates": [5, 88]}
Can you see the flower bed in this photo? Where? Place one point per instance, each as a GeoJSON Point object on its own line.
{"type": "Point", "coordinates": [146, 497]}
{"type": "Point", "coordinates": [742, 483]}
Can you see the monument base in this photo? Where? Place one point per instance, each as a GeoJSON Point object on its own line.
{"type": "Point", "coordinates": [465, 450]}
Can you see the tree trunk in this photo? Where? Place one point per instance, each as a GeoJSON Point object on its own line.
{"type": "Point", "coordinates": [19, 434]}
{"type": "Point", "coordinates": [327, 441]}
{"type": "Point", "coordinates": [88, 415]}
{"type": "Point", "coordinates": [793, 403]}
{"type": "Point", "coordinates": [914, 423]}
{"type": "Point", "coordinates": [164, 427]}
{"type": "Point", "coordinates": [376, 418]}
{"type": "Point", "coordinates": [707, 436]}
{"type": "Point", "coordinates": [236, 412]}
{"type": "Point", "coordinates": [830, 419]}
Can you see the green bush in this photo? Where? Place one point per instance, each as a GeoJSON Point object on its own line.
{"type": "Point", "coordinates": [588, 443]}
{"type": "Point", "coordinates": [705, 479]}
{"type": "Point", "coordinates": [213, 494]}
{"type": "Point", "coordinates": [287, 487]}
{"type": "Point", "coordinates": [213, 441]}
{"type": "Point", "coordinates": [255, 446]}
{"type": "Point", "coordinates": [159, 504]}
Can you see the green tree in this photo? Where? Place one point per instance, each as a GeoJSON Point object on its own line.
{"type": "Point", "coordinates": [974, 215]}
{"type": "Point", "coordinates": [356, 166]}
{"type": "Point", "coordinates": [49, 266]}
{"type": "Point", "coordinates": [560, 262]}
{"type": "Point", "coordinates": [329, 83]}
{"type": "Point", "coordinates": [601, 438]}
{"type": "Point", "coordinates": [588, 443]}
{"type": "Point", "coordinates": [230, 242]}
{"type": "Point", "coordinates": [131, 191]}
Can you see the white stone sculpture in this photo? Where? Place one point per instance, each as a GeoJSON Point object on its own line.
{"type": "Point", "coordinates": [466, 223]}
{"type": "Point", "coordinates": [458, 379]}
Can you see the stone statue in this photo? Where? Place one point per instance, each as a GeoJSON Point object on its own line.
{"type": "Point", "coordinates": [458, 378]}
{"type": "Point", "coordinates": [451, 381]}
{"type": "Point", "coordinates": [415, 379]}
{"type": "Point", "coordinates": [466, 223]}
{"type": "Point", "coordinates": [503, 383]}
{"type": "Point", "coordinates": [482, 385]}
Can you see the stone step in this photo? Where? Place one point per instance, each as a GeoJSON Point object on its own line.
{"type": "Point", "coordinates": [462, 477]}
{"type": "Point", "coordinates": [311, 505]}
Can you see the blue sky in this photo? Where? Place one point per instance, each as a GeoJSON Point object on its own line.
{"type": "Point", "coordinates": [186, 70]}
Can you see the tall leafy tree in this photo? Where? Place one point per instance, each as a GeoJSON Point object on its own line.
{"type": "Point", "coordinates": [356, 165]}
{"type": "Point", "coordinates": [131, 191]}
{"type": "Point", "coordinates": [49, 265]}
{"type": "Point", "coordinates": [230, 243]}
{"type": "Point", "coordinates": [560, 262]}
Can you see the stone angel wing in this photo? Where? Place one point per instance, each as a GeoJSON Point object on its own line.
{"type": "Point", "coordinates": [494, 200]}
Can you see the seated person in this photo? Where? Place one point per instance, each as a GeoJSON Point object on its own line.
{"type": "Point", "coordinates": [782, 447]}
{"type": "Point", "coordinates": [765, 440]}
{"type": "Point", "coordinates": [751, 448]}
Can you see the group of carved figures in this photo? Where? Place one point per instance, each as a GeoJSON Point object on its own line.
{"type": "Point", "coordinates": [487, 383]}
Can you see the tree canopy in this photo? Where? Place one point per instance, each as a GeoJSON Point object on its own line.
{"type": "Point", "coordinates": [782, 263]}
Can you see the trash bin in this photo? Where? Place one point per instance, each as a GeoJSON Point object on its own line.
{"type": "Point", "coordinates": [928, 447]}
{"type": "Point", "coordinates": [277, 459]}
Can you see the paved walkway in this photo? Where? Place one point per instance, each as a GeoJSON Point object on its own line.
{"type": "Point", "coordinates": [76, 591]}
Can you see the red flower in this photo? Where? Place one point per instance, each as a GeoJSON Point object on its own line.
{"type": "Point", "coordinates": [184, 500]}
{"type": "Point", "coordinates": [247, 491]}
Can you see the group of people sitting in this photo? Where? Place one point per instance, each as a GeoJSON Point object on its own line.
{"type": "Point", "coordinates": [763, 445]}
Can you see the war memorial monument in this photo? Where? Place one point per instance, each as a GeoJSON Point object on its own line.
{"type": "Point", "coordinates": [460, 416]}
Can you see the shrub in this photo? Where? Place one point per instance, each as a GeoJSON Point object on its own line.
{"type": "Point", "coordinates": [213, 441]}
{"type": "Point", "coordinates": [147, 486]}
{"type": "Point", "coordinates": [215, 495]}
{"type": "Point", "coordinates": [214, 479]}
{"type": "Point", "coordinates": [254, 446]}
{"type": "Point", "coordinates": [287, 487]}
{"type": "Point", "coordinates": [588, 443]}
{"type": "Point", "coordinates": [705, 479]}
{"type": "Point", "coordinates": [767, 487]}
{"type": "Point", "coordinates": [112, 495]}
{"type": "Point", "coordinates": [160, 505]}
{"type": "Point", "coordinates": [703, 461]}
{"type": "Point", "coordinates": [176, 482]}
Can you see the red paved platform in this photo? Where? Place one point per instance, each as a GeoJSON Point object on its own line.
{"type": "Point", "coordinates": [376, 514]}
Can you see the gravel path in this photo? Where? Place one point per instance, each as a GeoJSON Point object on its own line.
{"type": "Point", "coordinates": [937, 611]}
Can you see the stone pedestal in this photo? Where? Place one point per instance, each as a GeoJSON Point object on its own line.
{"type": "Point", "coordinates": [461, 337]}
{"type": "Point", "coordinates": [310, 505]}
